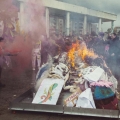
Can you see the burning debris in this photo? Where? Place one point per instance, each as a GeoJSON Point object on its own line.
{"type": "Point", "coordinates": [80, 51]}
{"type": "Point", "coordinates": [83, 72]}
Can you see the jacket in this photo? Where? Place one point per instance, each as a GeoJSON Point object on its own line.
{"type": "Point", "coordinates": [114, 47]}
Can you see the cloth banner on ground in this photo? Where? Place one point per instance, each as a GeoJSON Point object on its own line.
{"type": "Point", "coordinates": [49, 91]}
{"type": "Point", "coordinates": [95, 75]}
{"type": "Point", "coordinates": [85, 99]}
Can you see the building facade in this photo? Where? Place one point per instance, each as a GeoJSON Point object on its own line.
{"type": "Point", "coordinates": [67, 18]}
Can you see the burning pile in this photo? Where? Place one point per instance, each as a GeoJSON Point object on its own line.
{"type": "Point", "coordinates": [79, 50]}
{"type": "Point", "coordinates": [88, 80]}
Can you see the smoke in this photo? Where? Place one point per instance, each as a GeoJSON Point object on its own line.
{"type": "Point", "coordinates": [33, 27]}
{"type": "Point", "coordinates": [22, 49]}
{"type": "Point", "coordinates": [34, 20]}
{"type": "Point", "coordinates": [7, 10]}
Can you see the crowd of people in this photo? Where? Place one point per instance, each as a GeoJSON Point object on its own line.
{"type": "Point", "coordinates": [104, 45]}
{"type": "Point", "coordinates": [108, 48]}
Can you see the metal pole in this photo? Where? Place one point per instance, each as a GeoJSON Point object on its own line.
{"type": "Point", "coordinates": [85, 25]}
{"type": "Point", "coordinates": [112, 26]}
{"type": "Point", "coordinates": [100, 25]}
{"type": "Point", "coordinates": [90, 28]}
{"type": "Point", "coordinates": [68, 23]}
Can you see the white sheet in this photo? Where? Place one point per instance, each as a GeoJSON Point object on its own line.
{"type": "Point", "coordinates": [95, 75]}
{"type": "Point", "coordinates": [85, 99]}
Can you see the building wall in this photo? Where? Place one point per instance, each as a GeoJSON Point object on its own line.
{"type": "Point", "coordinates": [75, 25]}
{"type": "Point", "coordinates": [78, 9]}
{"type": "Point", "coordinates": [57, 24]}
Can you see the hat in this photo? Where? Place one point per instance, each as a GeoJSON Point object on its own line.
{"type": "Point", "coordinates": [103, 93]}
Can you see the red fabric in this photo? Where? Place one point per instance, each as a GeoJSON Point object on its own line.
{"type": "Point", "coordinates": [113, 105]}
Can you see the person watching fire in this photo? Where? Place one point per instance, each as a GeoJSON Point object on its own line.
{"type": "Point", "coordinates": [114, 55]}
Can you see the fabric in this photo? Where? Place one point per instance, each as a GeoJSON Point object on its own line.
{"type": "Point", "coordinates": [114, 46]}
{"type": "Point", "coordinates": [102, 84]}
{"type": "Point", "coordinates": [109, 103]}
{"type": "Point", "coordinates": [102, 93]}
{"type": "Point", "coordinates": [95, 75]}
{"type": "Point", "coordinates": [42, 70]}
{"type": "Point", "coordinates": [49, 91]}
{"type": "Point", "coordinates": [85, 99]}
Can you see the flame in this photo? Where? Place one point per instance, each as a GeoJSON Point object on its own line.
{"type": "Point", "coordinates": [71, 55]}
{"type": "Point", "coordinates": [81, 51]}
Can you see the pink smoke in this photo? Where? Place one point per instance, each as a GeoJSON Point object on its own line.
{"type": "Point", "coordinates": [33, 27]}
{"type": "Point", "coordinates": [21, 48]}
{"type": "Point", "coordinates": [34, 18]}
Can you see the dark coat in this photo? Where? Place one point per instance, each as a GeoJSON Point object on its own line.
{"type": "Point", "coordinates": [114, 47]}
{"type": "Point", "coordinates": [113, 61]}
{"type": "Point", "coordinates": [44, 51]}
{"type": "Point", "coordinates": [91, 44]}
{"type": "Point", "coordinates": [100, 47]}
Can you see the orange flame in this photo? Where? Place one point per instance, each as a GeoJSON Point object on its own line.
{"type": "Point", "coordinates": [82, 52]}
